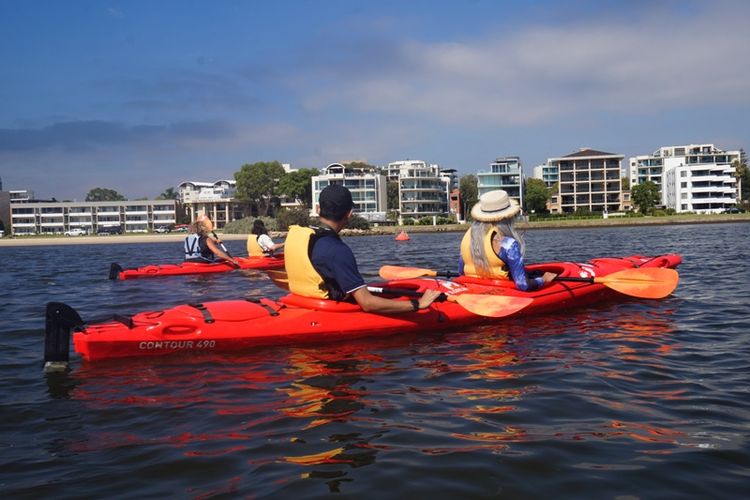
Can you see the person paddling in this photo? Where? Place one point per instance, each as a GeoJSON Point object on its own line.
{"type": "Point", "coordinates": [259, 243]}
{"type": "Point", "coordinates": [319, 264]}
{"type": "Point", "coordinates": [492, 248]}
{"type": "Point", "coordinates": [200, 247]}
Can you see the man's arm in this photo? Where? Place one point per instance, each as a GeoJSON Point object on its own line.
{"type": "Point", "coordinates": [374, 304]}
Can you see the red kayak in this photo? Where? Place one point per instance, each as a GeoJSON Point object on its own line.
{"type": "Point", "coordinates": [117, 272]}
{"type": "Point", "coordinates": [226, 326]}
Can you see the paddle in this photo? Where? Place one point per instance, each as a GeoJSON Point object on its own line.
{"type": "Point", "coordinates": [493, 306]}
{"type": "Point", "coordinates": [642, 282]}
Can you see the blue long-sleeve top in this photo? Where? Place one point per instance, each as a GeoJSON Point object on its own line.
{"type": "Point", "coordinates": [510, 253]}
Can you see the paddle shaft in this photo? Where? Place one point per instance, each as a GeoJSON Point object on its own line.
{"type": "Point", "coordinates": [407, 292]}
{"type": "Point", "coordinates": [575, 278]}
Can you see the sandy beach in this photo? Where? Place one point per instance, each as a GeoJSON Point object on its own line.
{"type": "Point", "coordinates": [383, 230]}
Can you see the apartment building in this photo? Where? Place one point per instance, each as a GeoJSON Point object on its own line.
{"type": "Point", "coordinates": [215, 199]}
{"type": "Point", "coordinates": [368, 188]}
{"type": "Point", "coordinates": [32, 217]}
{"type": "Point", "coordinates": [547, 173]}
{"type": "Point", "coordinates": [696, 178]}
{"type": "Point", "coordinates": [504, 173]}
{"type": "Point", "coordinates": [590, 180]}
{"type": "Point", "coordinates": [423, 190]}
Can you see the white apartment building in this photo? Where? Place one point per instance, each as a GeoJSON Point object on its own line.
{"type": "Point", "coordinates": [547, 173]}
{"type": "Point", "coordinates": [368, 188]}
{"type": "Point", "coordinates": [140, 216]}
{"type": "Point", "coordinates": [215, 199]}
{"type": "Point", "coordinates": [423, 190]}
{"type": "Point", "coordinates": [504, 173]}
{"type": "Point", "coordinates": [589, 179]}
{"type": "Point", "coordinates": [692, 178]}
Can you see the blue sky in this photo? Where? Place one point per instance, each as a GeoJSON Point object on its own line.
{"type": "Point", "coordinates": [138, 96]}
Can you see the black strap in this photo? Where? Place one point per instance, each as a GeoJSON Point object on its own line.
{"type": "Point", "coordinates": [205, 312]}
{"type": "Point", "coordinates": [125, 320]}
{"type": "Point", "coordinates": [255, 300]}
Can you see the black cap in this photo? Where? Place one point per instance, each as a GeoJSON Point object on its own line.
{"type": "Point", "coordinates": [335, 202]}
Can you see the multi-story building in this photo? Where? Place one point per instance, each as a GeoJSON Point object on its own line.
{"type": "Point", "coordinates": [691, 178]}
{"type": "Point", "coordinates": [29, 218]}
{"type": "Point", "coordinates": [589, 180]}
{"type": "Point", "coordinates": [504, 173]}
{"type": "Point", "coordinates": [547, 173]}
{"type": "Point", "coordinates": [368, 188]}
{"type": "Point", "coordinates": [423, 190]}
{"type": "Point", "coordinates": [215, 199]}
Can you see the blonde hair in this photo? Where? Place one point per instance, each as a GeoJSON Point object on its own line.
{"type": "Point", "coordinates": [198, 227]}
{"type": "Point", "coordinates": [479, 230]}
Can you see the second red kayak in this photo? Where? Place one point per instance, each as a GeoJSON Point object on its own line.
{"type": "Point", "coordinates": [117, 272]}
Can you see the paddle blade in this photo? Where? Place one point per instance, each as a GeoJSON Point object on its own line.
{"type": "Point", "coordinates": [404, 273]}
{"type": "Point", "coordinates": [643, 282]}
{"type": "Point", "coordinates": [492, 306]}
{"type": "Point", "coordinates": [279, 278]}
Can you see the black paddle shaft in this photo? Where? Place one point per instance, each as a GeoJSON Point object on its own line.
{"type": "Point", "coordinates": [406, 292]}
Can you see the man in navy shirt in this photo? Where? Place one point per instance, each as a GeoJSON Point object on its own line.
{"type": "Point", "coordinates": [335, 262]}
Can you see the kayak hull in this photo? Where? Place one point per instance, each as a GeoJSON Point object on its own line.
{"type": "Point", "coordinates": [156, 270]}
{"type": "Point", "coordinates": [225, 326]}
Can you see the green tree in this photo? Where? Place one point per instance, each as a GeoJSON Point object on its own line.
{"type": "Point", "coordinates": [168, 194]}
{"type": "Point", "coordinates": [298, 185]}
{"type": "Point", "coordinates": [287, 217]}
{"type": "Point", "coordinates": [392, 195]}
{"type": "Point", "coordinates": [645, 196]}
{"type": "Point", "coordinates": [257, 183]}
{"type": "Point", "coordinates": [625, 183]}
{"type": "Point", "coordinates": [743, 178]}
{"type": "Point", "coordinates": [535, 196]}
{"type": "Point", "coordinates": [469, 194]}
{"type": "Point", "coordinates": [104, 194]}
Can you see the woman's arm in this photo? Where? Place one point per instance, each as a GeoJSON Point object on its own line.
{"type": "Point", "coordinates": [216, 249]}
{"type": "Point", "coordinates": [510, 253]}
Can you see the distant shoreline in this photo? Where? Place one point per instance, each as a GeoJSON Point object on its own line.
{"type": "Point", "coordinates": [386, 230]}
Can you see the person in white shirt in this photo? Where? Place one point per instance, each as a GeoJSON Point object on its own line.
{"type": "Point", "coordinates": [259, 243]}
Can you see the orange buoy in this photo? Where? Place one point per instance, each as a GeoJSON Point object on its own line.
{"type": "Point", "coordinates": [402, 236]}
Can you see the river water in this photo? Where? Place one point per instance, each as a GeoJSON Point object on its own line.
{"type": "Point", "coordinates": [635, 399]}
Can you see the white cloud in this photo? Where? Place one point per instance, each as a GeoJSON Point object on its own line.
{"type": "Point", "coordinates": [532, 75]}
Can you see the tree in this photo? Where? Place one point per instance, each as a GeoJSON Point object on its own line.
{"type": "Point", "coordinates": [392, 195]}
{"type": "Point", "coordinates": [625, 183]}
{"type": "Point", "coordinates": [257, 183]}
{"type": "Point", "coordinates": [743, 178]}
{"type": "Point", "coordinates": [298, 185]}
{"type": "Point", "coordinates": [469, 194]}
{"type": "Point", "coordinates": [104, 194]}
{"type": "Point", "coordinates": [168, 194]}
{"type": "Point", "coordinates": [535, 196]}
{"type": "Point", "coordinates": [645, 196]}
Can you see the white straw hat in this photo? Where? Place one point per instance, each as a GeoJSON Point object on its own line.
{"type": "Point", "coordinates": [494, 206]}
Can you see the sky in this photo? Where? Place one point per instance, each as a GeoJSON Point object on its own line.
{"type": "Point", "coordinates": [139, 96]}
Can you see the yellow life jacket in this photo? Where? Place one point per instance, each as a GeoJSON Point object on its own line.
{"type": "Point", "coordinates": [497, 266]}
{"type": "Point", "coordinates": [253, 248]}
{"type": "Point", "coordinates": [303, 278]}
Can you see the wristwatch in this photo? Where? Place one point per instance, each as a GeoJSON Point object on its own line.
{"type": "Point", "coordinates": [414, 304]}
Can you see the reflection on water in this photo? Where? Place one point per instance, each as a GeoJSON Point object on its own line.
{"type": "Point", "coordinates": [634, 398]}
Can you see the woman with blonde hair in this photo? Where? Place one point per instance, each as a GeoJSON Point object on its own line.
{"type": "Point", "coordinates": [492, 248]}
{"type": "Point", "coordinates": [200, 247]}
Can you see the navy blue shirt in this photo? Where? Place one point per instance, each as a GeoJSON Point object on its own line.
{"type": "Point", "coordinates": [334, 261]}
